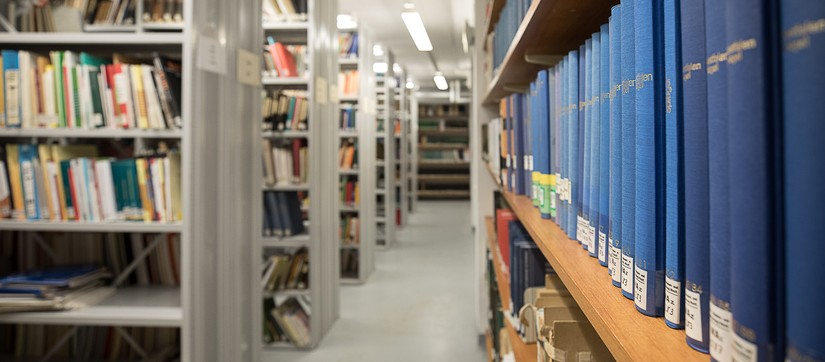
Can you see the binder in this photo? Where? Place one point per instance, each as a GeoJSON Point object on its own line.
{"type": "Point", "coordinates": [674, 179]}
{"type": "Point", "coordinates": [694, 87]}
{"type": "Point", "coordinates": [628, 147]}
{"type": "Point", "coordinates": [650, 161]}
{"type": "Point", "coordinates": [595, 151]}
{"type": "Point", "coordinates": [614, 266]}
{"type": "Point", "coordinates": [753, 164]}
{"type": "Point", "coordinates": [719, 314]}
{"type": "Point", "coordinates": [802, 55]}
{"type": "Point", "coordinates": [604, 143]}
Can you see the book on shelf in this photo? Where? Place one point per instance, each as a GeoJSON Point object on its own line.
{"type": "Point", "coordinates": [74, 183]}
{"type": "Point", "coordinates": [348, 83]}
{"type": "Point", "coordinates": [277, 11]}
{"type": "Point", "coordinates": [282, 216]}
{"type": "Point", "coordinates": [629, 124]}
{"type": "Point", "coordinates": [527, 268]}
{"type": "Point", "coordinates": [615, 213]}
{"type": "Point", "coordinates": [348, 118]}
{"type": "Point", "coordinates": [349, 191]}
{"type": "Point", "coordinates": [349, 263]}
{"type": "Point", "coordinates": [348, 45]}
{"type": "Point", "coordinates": [285, 110]}
{"type": "Point", "coordinates": [349, 230]}
{"type": "Point", "coordinates": [88, 343]}
{"type": "Point", "coordinates": [53, 288]}
{"type": "Point", "coordinates": [117, 13]}
{"type": "Point", "coordinates": [442, 110]}
{"type": "Point", "coordinates": [160, 11]}
{"type": "Point", "coordinates": [503, 219]}
{"type": "Point", "coordinates": [285, 161]}
{"type": "Point", "coordinates": [286, 270]}
{"type": "Point", "coordinates": [287, 319]}
{"type": "Point", "coordinates": [65, 89]}
{"type": "Point", "coordinates": [348, 156]}
{"type": "Point", "coordinates": [284, 61]}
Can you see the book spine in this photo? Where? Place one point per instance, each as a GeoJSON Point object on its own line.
{"type": "Point", "coordinates": [649, 281]}
{"type": "Point", "coordinates": [532, 108]}
{"type": "Point", "coordinates": [546, 95]}
{"type": "Point", "coordinates": [604, 143]}
{"type": "Point", "coordinates": [581, 145]}
{"type": "Point", "coordinates": [719, 236]}
{"type": "Point", "coordinates": [555, 112]}
{"type": "Point", "coordinates": [674, 175]}
{"type": "Point", "coordinates": [694, 87]}
{"type": "Point", "coordinates": [572, 142]}
{"type": "Point", "coordinates": [628, 146]}
{"type": "Point", "coordinates": [595, 151]}
{"type": "Point", "coordinates": [614, 233]}
{"type": "Point", "coordinates": [752, 168]}
{"type": "Point", "coordinates": [802, 53]}
{"type": "Point", "coordinates": [562, 212]}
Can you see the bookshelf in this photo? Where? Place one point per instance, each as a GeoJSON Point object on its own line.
{"type": "Point", "coordinates": [543, 37]}
{"type": "Point", "coordinates": [413, 154]}
{"type": "Point", "coordinates": [385, 151]}
{"type": "Point", "coordinates": [362, 136]}
{"type": "Point", "coordinates": [401, 147]}
{"type": "Point", "coordinates": [442, 149]}
{"type": "Point", "coordinates": [323, 210]}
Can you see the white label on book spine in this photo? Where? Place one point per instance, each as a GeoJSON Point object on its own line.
{"type": "Point", "coordinates": [613, 263]}
{"type": "Point", "coordinates": [526, 163]}
{"type": "Point", "coordinates": [640, 292]}
{"type": "Point", "coordinates": [627, 274]}
{"type": "Point", "coordinates": [693, 315]}
{"type": "Point", "coordinates": [602, 247]}
{"type": "Point", "coordinates": [27, 172]}
{"type": "Point", "coordinates": [743, 350]}
{"type": "Point", "coordinates": [591, 242]}
{"type": "Point", "coordinates": [720, 333]}
{"type": "Point", "coordinates": [673, 306]}
{"type": "Point", "coordinates": [579, 229]}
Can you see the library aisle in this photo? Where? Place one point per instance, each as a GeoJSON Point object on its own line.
{"type": "Point", "coordinates": [414, 307]}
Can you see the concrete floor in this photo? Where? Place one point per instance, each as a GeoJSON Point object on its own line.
{"type": "Point", "coordinates": [418, 305]}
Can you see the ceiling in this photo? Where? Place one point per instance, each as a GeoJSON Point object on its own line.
{"type": "Point", "coordinates": [444, 20]}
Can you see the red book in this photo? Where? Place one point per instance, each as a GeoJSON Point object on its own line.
{"type": "Point", "coordinates": [503, 218]}
{"type": "Point", "coordinates": [287, 63]}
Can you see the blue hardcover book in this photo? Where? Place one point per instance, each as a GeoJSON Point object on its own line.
{"type": "Point", "coordinates": [584, 104]}
{"type": "Point", "coordinates": [674, 179]}
{"type": "Point", "coordinates": [578, 180]}
{"type": "Point", "coordinates": [649, 272]}
{"type": "Point", "coordinates": [753, 177]}
{"type": "Point", "coordinates": [802, 58]}
{"type": "Point", "coordinates": [572, 143]}
{"type": "Point", "coordinates": [628, 146]}
{"type": "Point", "coordinates": [531, 111]}
{"type": "Point", "coordinates": [545, 196]}
{"type": "Point", "coordinates": [604, 143]}
{"type": "Point", "coordinates": [595, 151]}
{"type": "Point", "coordinates": [11, 91]}
{"type": "Point", "coordinates": [555, 130]}
{"type": "Point", "coordinates": [614, 236]}
{"type": "Point", "coordinates": [561, 139]}
{"type": "Point", "coordinates": [536, 141]}
{"type": "Point", "coordinates": [518, 132]}
{"type": "Point", "coordinates": [60, 277]}
{"type": "Point", "coordinates": [511, 144]}
{"type": "Point", "coordinates": [697, 229]}
{"type": "Point", "coordinates": [527, 139]}
{"type": "Point", "coordinates": [717, 80]}
{"type": "Point", "coordinates": [29, 178]}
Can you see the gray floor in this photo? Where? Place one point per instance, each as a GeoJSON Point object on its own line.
{"type": "Point", "coordinates": [418, 304]}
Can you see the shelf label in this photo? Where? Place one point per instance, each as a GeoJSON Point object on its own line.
{"type": "Point", "coordinates": [321, 89]}
{"type": "Point", "coordinates": [211, 55]}
{"type": "Point", "coordinates": [627, 274]}
{"type": "Point", "coordinates": [720, 333]}
{"type": "Point", "coordinates": [640, 289]}
{"type": "Point", "coordinates": [249, 68]}
{"type": "Point", "coordinates": [693, 315]}
{"type": "Point", "coordinates": [743, 350]}
{"type": "Point", "coordinates": [673, 304]}
{"type": "Point", "coordinates": [333, 93]}
{"type": "Point", "coordinates": [613, 266]}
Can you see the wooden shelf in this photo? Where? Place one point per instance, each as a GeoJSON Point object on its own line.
{"type": "Point", "coordinates": [628, 334]}
{"type": "Point", "coordinates": [492, 18]}
{"type": "Point", "coordinates": [444, 132]}
{"type": "Point", "coordinates": [444, 179]}
{"type": "Point", "coordinates": [488, 342]}
{"type": "Point", "coordinates": [550, 27]}
{"type": "Point", "coordinates": [524, 352]}
{"type": "Point", "coordinates": [443, 194]}
{"type": "Point", "coordinates": [441, 146]}
{"type": "Point", "coordinates": [464, 117]}
{"type": "Point", "coordinates": [443, 164]}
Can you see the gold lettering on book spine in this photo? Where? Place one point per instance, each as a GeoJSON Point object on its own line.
{"type": "Point", "coordinates": [798, 37]}
{"type": "Point", "coordinates": [688, 69]}
{"type": "Point", "coordinates": [668, 95]}
{"type": "Point", "coordinates": [715, 60]}
{"type": "Point", "coordinates": [736, 50]}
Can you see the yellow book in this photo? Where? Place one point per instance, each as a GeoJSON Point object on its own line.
{"type": "Point", "coordinates": [45, 153]}
{"type": "Point", "coordinates": [64, 153]}
{"type": "Point", "coordinates": [357, 193]}
{"type": "Point", "coordinates": [13, 159]}
{"type": "Point", "coordinates": [140, 97]}
{"type": "Point", "coordinates": [174, 178]}
{"type": "Point", "coordinates": [148, 209]}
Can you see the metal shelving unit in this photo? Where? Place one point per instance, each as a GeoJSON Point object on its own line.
{"type": "Point", "coordinates": [385, 167]}
{"type": "Point", "coordinates": [413, 154]}
{"type": "Point", "coordinates": [401, 147]}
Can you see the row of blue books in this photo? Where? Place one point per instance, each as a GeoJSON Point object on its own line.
{"type": "Point", "coordinates": [679, 145]}
{"type": "Point", "coordinates": [507, 25]}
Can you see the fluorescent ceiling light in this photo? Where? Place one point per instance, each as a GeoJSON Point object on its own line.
{"type": "Point", "coordinates": [377, 50]}
{"type": "Point", "coordinates": [380, 67]}
{"type": "Point", "coordinates": [417, 31]}
{"type": "Point", "coordinates": [346, 22]}
{"type": "Point", "coordinates": [410, 84]}
{"type": "Point", "coordinates": [440, 81]}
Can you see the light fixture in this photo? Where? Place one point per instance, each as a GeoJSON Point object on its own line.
{"type": "Point", "coordinates": [380, 67]}
{"type": "Point", "coordinates": [377, 50]}
{"type": "Point", "coordinates": [396, 68]}
{"type": "Point", "coordinates": [416, 28]}
{"type": "Point", "coordinates": [346, 22]}
{"type": "Point", "coordinates": [410, 84]}
{"type": "Point", "coordinates": [440, 81]}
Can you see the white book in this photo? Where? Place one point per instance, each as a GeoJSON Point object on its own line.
{"type": "Point", "coordinates": [84, 96]}
{"type": "Point", "coordinates": [54, 196]}
{"type": "Point", "coordinates": [26, 86]}
{"type": "Point", "coordinates": [92, 189]}
{"type": "Point", "coordinates": [12, 94]}
{"type": "Point", "coordinates": [105, 98]}
{"type": "Point", "coordinates": [167, 192]}
{"type": "Point", "coordinates": [49, 114]}
{"type": "Point", "coordinates": [105, 184]}
{"type": "Point", "coordinates": [28, 176]}
{"type": "Point", "coordinates": [153, 110]}
{"type": "Point", "coordinates": [157, 188]}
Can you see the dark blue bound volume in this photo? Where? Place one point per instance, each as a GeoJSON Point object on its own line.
{"type": "Point", "coordinates": [674, 179]}
{"type": "Point", "coordinates": [555, 97]}
{"type": "Point", "coordinates": [604, 143]}
{"type": "Point", "coordinates": [518, 134]}
{"type": "Point", "coordinates": [580, 144]}
{"type": "Point", "coordinates": [649, 272]}
{"type": "Point", "coordinates": [595, 111]}
{"type": "Point", "coordinates": [720, 315]}
{"type": "Point", "coordinates": [752, 184]}
{"type": "Point", "coordinates": [628, 146]}
{"type": "Point", "coordinates": [614, 266]}
{"type": "Point", "coordinates": [803, 53]}
{"type": "Point", "coordinates": [572, 142]}
{"type": "Point", "coordinates": [561, 180]}
{"type": "Point", "coordinates": [527, 139]}
{"type": "Point", "coordinates": [532, 108]}
{"type": "Point", "coordinates": [545, 129]}
{"type": "Point", "coordinates": [697, 248]}
{"type": "Point", "coordinates": [584, 139]}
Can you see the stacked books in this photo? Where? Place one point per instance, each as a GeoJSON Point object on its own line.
{"type": "Point", "coordinates": [285, 110]}
{"type": "Point", "coordinates": [348, 45]}
{"type": "Point", "coordinates": [278, 11]}
{"type": "Point", "coordinates": [348, 230]}
{"type": "Point", "coordinates": [348, 83]}
{"type": "Point", "coordinates": [118, 12]}
{"type": "Point", "coordinates": [348, 120]}
{"type": "Point", "coordinates": [284, 61]}
{"type": "Point", "coordinates": [287, 320]}
{"type": "Point", "coordinates": [79, 90]}
{"type": "Point", "coordinates": [347, 156]}
{"type": "Point", "coordinates": [282, 214]}
{"type": "Point", "coordinates": [286, 271]}
{"type": "Point", "coordinates": [658, 145]}
{"type": "Point", "coordinates": [71, 183]}
{"type": "Point", "coordinates": [51, 289]}
{"type": "Point", "coordinates": [349, 191]}
{"type": "Point", "coordinates": [285, 162]}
